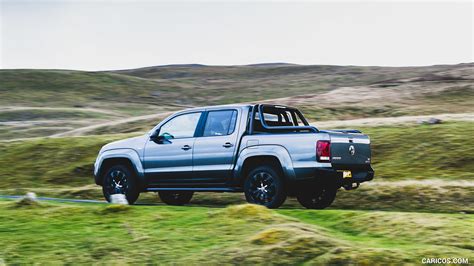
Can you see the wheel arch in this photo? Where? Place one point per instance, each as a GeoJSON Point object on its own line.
{"type": "Point", "coordinates": [274, 155]}
{"type": "Point", "coordinates": [127, 157]}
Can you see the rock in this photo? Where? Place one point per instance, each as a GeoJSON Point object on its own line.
{"type": "Point", "coordinates": [430, 121]}
{"type": "Point", "coordinates": [31, 196]}
{"type": "Point", "coordinates": [433, 121]}
{"type": "Point", "coordinates": [29, 200]}
{"type": "Point", "coordinates": [118, 199]}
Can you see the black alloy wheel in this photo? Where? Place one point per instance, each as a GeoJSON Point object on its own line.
{"type": "Point", "coordinates": [120, 180]}
{"type": "Point", "coordinates": [176, 197]}
{"type": "Point", "coordinates": [264, 186]}
{"type": "Point", "coordinates": [317, 198]}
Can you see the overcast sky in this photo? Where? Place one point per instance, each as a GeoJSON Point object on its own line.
{"type": "Point", "coordinates": [101, 35]}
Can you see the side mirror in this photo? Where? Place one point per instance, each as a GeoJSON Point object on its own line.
{"type": "Point", "coordinates": [161, 139]}
{"type": "Point", "coordinates": [157, 139]}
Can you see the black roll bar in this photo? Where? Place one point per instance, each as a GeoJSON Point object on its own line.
{"type": "Point", "coordinates": [266, 126]}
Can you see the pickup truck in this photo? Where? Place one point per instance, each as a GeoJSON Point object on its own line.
{"type": "Point", "coordinates": [268, 152]}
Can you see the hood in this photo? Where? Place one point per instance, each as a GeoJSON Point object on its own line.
{"type": "Point", "coordinates": [136, 143]}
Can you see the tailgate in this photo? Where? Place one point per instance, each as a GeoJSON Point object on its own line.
{"type": "Point", "coordinates": [350, 151]}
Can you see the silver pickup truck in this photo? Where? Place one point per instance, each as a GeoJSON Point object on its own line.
{"type": "Point", "coordinates": [268, 152]}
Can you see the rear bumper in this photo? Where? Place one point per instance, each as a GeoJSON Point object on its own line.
{"type": "Point", "coordinates": [333, 175]}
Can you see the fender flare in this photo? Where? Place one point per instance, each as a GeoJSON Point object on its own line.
{"type": "Point", "coordinates": [277, 151]}
{"type": "Point", "coordinates": [126, 153]}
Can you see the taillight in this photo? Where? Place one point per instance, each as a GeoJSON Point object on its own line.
{"type": "Point", "coordinates": [323, 151]}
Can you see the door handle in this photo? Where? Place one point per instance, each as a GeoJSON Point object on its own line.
{"type": "Point", "coordinates": [186, 147]}
{"type": "Point", "coordinates": [227, 145]}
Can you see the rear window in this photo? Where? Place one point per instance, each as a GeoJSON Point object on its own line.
{"type": "Point", "coordinates": [220, 123]}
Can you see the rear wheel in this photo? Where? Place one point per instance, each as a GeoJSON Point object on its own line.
{"type": "Point", "coordinates": [317, 198]}
{"type": "Point", "coordinates": [176, 197]}
{"type": "Point", "coordinates": [264, 186]}
{"type": "Point", "coordinates": [119, 179]}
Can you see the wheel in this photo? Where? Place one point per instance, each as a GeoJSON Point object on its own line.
{"type": "Point", "coordinates": [317, 198]}
{"type": "Point", "coordinates": [264, 186]}
{"type": "Point", "coordinates": [176, 197]}
{"type": "Point", "coordinates": [119, 179]}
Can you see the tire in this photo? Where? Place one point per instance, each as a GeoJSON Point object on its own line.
{"type": "Point", "coordinates": [176, 197]}
{"type": "Point", "coordinates": [119, 179]}
{"type": "Point", "coordinates": [265, 186]}
{"type": "Point", "coordinates": [317, 198]}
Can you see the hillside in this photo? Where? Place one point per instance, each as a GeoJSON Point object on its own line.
{"type": "Point", "coordinates": [38, 103]}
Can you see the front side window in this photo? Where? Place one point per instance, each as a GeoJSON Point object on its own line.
{"type": "Point", "coordinates": [220, 123]}
{"type": "Point", "coordinates": [182, 126]}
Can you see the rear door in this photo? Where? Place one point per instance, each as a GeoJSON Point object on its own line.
{"type": "Point", "coordinates": [215, 148]}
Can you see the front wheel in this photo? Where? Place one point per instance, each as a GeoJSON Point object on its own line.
{"type": "Point", "coordinates": [264, 186]}
{"type": "Point", "coordinates": [176, 197]}
{"type": "Point", "coordinates": [119, 179]}
{"type": "Point", "coordinates": [317, 198]}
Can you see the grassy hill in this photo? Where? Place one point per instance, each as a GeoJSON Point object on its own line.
{"type": "Point", "coordinates": [198, 85]}
{"type": "Point", "coordinates": [322, 92]}
{"type": "Point", "coordinates": [62, 233]}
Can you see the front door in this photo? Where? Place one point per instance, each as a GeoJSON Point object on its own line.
{"type": "Point", "coordinates": [214, 151]}
{"type": "Point", "coordinates": [171, 161]}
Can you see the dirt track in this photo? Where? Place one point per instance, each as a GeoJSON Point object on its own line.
{"type": "Point", "coordinates": [73, 109]}
{"type": "Point", "coordinates": [380, 121]}
{"type": "Point", "coordinates": [325, 124]}
{"type": "Point", "coordinates": [86, 127]}
{"type": "Point", "coordinates": [81, 131]}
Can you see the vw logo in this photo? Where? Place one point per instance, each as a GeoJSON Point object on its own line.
{"type": "Point", "coordinates": [352, 150]}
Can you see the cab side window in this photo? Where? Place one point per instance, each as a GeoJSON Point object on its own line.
{"type": "Point", "coordinates": [182, 126]}
{"type": "Point", "coordinates": [220, 123]}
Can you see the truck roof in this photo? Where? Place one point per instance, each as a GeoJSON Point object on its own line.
{"type": "Point", "coordinates": [202, 108]}
{"type": "Point", "coordinates": [237, 105]}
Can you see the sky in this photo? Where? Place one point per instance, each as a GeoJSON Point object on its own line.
{"type": "Point", "coordinates": [107, 34]}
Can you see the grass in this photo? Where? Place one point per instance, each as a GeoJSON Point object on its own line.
{"type": "Point", "coordinates": [61, 233]}
{"type": "Point", "coordinates": [65, 88]}
{"type": "Point", "coordinates": [443, 151]}
{"type": "Point", "coordinates": [50, 162]}
{"type": "Point", "coordinates": [21, 115]}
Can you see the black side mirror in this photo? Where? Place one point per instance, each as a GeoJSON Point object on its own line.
{"type": "Point", "coordinates": [161, 139]}
{"type": "Point", "coordinates": [157, 139]}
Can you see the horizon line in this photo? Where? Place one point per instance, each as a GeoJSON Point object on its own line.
{"type": "Point", "coordinates": [268, 64]}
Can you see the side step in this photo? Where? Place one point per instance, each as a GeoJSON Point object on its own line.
{"type": "Point", "coordinates": [197, 189]}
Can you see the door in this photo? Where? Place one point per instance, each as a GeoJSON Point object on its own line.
{"type": "Point", "coordinates": [171, 160]}
{"type": "Point", "coordinates": [214, 150]}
